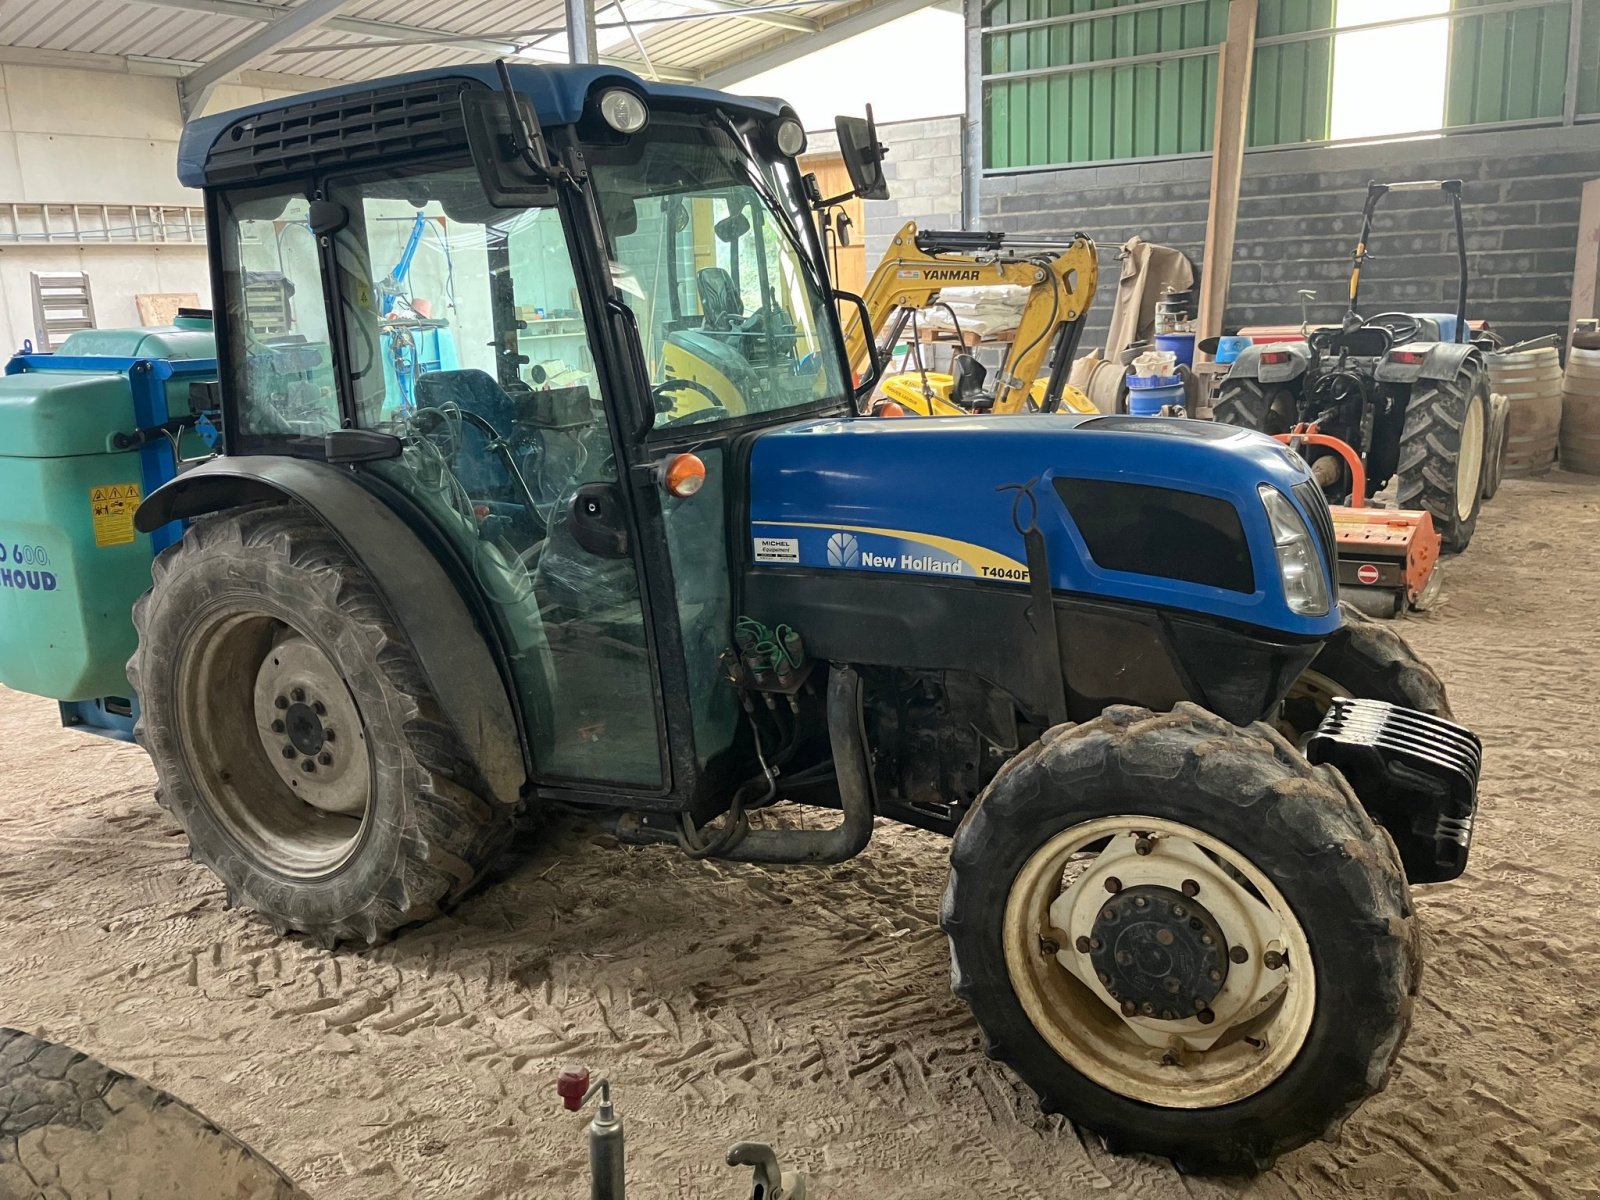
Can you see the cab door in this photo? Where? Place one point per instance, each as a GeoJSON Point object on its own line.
{"type": "Point", "coordinates": [467, 337]}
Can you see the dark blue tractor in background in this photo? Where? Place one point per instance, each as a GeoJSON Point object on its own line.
{"type": "Point", "coordinates": [1409, 391]}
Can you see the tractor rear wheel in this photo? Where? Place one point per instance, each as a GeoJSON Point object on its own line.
{"type": "Point", "coordinates": [1365, 660]}
{"type": "Point", "coordinates": [1442, 452]}
{"type": "Point", "coordinates": [1250, 404]}
{"type": "Point", "coordinates": [295, 737]}
{"type": "Point", "coordinates": [1183, 936]}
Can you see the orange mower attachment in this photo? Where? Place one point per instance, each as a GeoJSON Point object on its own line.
{"type": "Point", "coordinates": [1386, 555]}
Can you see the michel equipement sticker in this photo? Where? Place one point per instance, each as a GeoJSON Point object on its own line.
{"type": "Point", "coordinates": [112, 505]}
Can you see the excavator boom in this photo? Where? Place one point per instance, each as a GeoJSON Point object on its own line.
{"type": "Point", "coordinates": [920, 264]}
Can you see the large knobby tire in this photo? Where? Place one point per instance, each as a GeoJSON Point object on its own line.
{"type": "Point", "coordinates": [295, 737]}
{"type": "Point", "coordinates": [1365, 660]}
{"type": "Point", "coordinates": [1443, 447]}
{"type": "Point", "coordinates": [72, 1128]}
{"type": "Point", "coordinates": [1250, 404]}
{"type": "Point", "coordinates": [1297, 837]}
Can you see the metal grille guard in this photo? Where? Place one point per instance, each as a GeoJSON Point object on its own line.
{"type": "Point", "coordinates": [1417, 775]}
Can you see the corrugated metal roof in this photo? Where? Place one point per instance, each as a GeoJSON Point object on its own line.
{"type": "Point", "coordinates": [193, 31]}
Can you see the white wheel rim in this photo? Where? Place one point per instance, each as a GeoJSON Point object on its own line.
{"type": "Point", "coordinates": [1261, 1014]}
{"type": "Point", "coordinates": [299, 814]}
{"type": "Point", "coordinates": [1318, 690]}
{"type": "Point", "coordinates": [1469, 459]}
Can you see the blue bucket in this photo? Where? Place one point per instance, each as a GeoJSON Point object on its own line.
{"type": "Point", "coordinates": [1147, 401]}
{"type": "Point", "coordinates": [1181, 344]}
{"type": "Point", "coordinates": [1229, 348]}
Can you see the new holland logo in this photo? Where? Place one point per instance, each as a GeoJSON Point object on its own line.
{"type": "Point", "coordinates": [844, 550]}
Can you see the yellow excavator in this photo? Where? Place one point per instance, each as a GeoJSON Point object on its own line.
{"type": "Point", "coordinates": [922, 264]}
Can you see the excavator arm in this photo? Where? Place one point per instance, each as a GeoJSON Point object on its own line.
{"type": "Point", "coordinates": [920, 264]}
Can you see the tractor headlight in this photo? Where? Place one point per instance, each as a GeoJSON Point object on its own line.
{"type": "Point", "coordinates": [790, 137]}
{"type": "Point", "coordinates": [623, 111]}
{"type": "Point", "coordinates": [1305, 583]}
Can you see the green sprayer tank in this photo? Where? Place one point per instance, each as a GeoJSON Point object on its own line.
{"type": "Point", "coordinates": [85, 434]}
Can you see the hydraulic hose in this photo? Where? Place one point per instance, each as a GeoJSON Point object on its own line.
{"type": "Point", "coordinates": [850, 836]}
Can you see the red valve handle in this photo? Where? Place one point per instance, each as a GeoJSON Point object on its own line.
{"type": "Point", "coordinates": [572, 1085]}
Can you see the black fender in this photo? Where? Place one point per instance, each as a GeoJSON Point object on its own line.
{"type": "Point", "coordinates": [421, 596]}
{"type": "Point", "coordinates": [1443, 360]}
{"type": "Point", "coordinates": [1249, 365]}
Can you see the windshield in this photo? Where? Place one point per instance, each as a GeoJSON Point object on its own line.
{"type": "Point", "coordinates": [705, 249]}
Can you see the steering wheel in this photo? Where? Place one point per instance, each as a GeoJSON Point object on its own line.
{"type": "Point", "coordinates": [1401, 327]}
{"type": "Point", "coordinates": [663, 392]}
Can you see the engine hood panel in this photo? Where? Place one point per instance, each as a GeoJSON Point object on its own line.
{"type": "Point", "coordinates": [936, 497]}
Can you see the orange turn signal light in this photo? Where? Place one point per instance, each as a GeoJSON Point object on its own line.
{"type": "Point", "coordinates": [682, 475]}
{"type": "Point", "coordinates": [889, 409]}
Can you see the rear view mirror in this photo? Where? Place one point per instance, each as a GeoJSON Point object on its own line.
{"type": "Point", "coordinates": [509, 179]}
{"type": "Point", "coordinates": [863, 155]}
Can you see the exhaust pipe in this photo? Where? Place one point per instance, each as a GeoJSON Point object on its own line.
{"type": "Point", "coordinates": [848, 838]}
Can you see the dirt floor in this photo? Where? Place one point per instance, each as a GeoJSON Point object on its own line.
{"type": "Point", "coordinates": [809, 1008]}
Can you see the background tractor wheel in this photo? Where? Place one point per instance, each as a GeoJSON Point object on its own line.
{"type": "Point", "coordinates": [295, 738]}
{"type": "Point", "coordinates": [1183, 936]}
{"type": "Point", "coordinates": [1442, 452]}
{"type": "Point", "coordinates": [73, 1129]}
{"type": "Point", "coordinates": [1365, 660]}
{"type": "Point", "coordinates": [1494, 457]}
{"type": "Point", "coordinates": [1266, 408]}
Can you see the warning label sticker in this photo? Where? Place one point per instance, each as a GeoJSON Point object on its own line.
{"type": "Point", "coordinates": [113, 505]}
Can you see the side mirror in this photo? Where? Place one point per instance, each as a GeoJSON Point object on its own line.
{"type": "Point", "coordinates": [510, 155]}
{"type": "Point", "coordinates": [865, 385]}
{"type": "Point", "coordinates": [863, 155]}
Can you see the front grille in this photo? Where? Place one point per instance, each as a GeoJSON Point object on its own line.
{"type": "Point", "coordinates": [343, 130]}
{"type": "Point", "coordinates": [1314, 502]}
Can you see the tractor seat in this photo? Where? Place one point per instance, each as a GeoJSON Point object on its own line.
{"type": "Point", "coordinates": [481, 473]}
{"type": "Point", "coordinates": [719, 299]}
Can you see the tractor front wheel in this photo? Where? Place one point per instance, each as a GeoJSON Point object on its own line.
{"type": "Point", "coordinates": [1364, 660]}
{"type": "Point", "coordinates": [1182, 936]}
{"type": "Point", "coordinates": [1443, 449]}
{"type": "Point", "coordinates": [295, 737]}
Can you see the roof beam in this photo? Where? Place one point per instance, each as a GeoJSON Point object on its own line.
{"type": "Point", "coordinates": [195, 88]}
{"type": "Point", "coordinates": [247, 10]}
{"type": "Point", "coordinates": [781, 53]}
{"type": "Point", "coordinates": [777, 20]}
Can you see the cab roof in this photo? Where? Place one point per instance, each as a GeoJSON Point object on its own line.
{"type": "Point", "coordinates": [557, 93]}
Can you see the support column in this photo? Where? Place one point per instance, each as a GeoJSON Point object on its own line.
{"type": "Point", "coordinates": [1236, 60]}
{"type": "Point", "coordinates": [581, 41]}
{"type": "Point", "coordinates": [972, 123]}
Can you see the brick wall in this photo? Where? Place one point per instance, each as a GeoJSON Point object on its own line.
{"type": "Point", "coordinates": [1300, 215]}
{"type": "Point", "coordinates": [923, 168]}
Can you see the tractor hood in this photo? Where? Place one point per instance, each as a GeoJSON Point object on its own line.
{"type": "Point", "coordinates": [1157, 511]}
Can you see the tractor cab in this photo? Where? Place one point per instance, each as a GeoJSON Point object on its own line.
{"type": "Point", "coordinates": [512, 307]}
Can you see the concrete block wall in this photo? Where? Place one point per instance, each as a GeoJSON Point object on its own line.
{"type": "Point", "coordinates": [91, 136]}
{"type": "Point", "coordinates": [923, 168]}
{"type": "Point", "coordinates": [1300, 215]}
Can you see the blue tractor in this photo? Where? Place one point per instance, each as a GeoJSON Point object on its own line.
{"type": "Point", "coordinates": [639, 555]}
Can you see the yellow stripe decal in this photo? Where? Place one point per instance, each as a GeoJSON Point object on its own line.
{"type": "Point", "coordinates": [977, 557]}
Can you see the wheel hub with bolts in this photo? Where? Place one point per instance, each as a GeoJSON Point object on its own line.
{"type": "Point", "coordinates": [1159, 961]}
{"type": "Point", "coordinates": [310, 728]}
{"type": "Point", "coordinates": [1158, 953]}
{"type": "Point", "coordinates": [1172, 885]}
